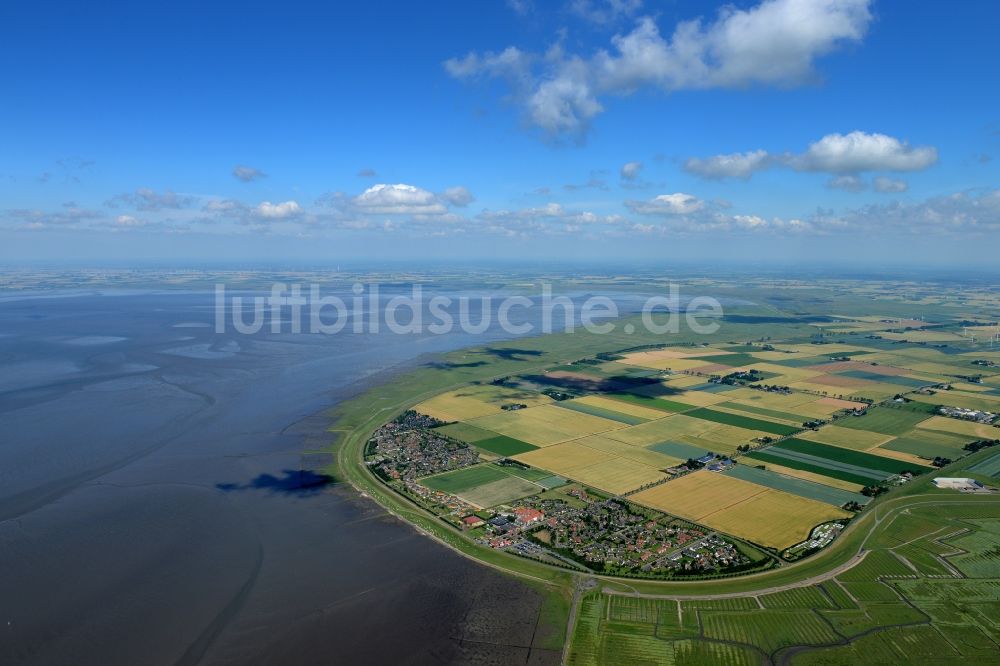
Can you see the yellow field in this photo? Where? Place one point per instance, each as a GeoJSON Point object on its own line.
{"type": "Point", "coordinates": [474, 401]}
{"type": "Point", "coordinates": [816, 478]}
{"type": "Point", "coordinates": [699, 494]}
{"type": "Point", "coordinates": [698, 398]}
{"type": "Point", "coordinates": [684, 381]}
{"type": "Point", "coordinates": [837, 404]}
{"type": "Point", "coordinates": [648, 360]}
{"type": "Point", "coordinates": [945, 424]}
{"type": "Point", "coordinates": [899, 455]}
{"type": "Point", "coordinates": [774, 518]}
{"type": "Point", "coordinates": [848, 438]}
{"type": "Point", "coordinates": [603, 469]}
{"type": "Point", "coordinates": [762, 515]}
{"type": "Point", "coordinates": [661, 430]}
{"type": "Point", "coordinates": [563, 459]}
{"type": "Point", "coordinates": [545, 425]}
{"type": "Point", "coordinates": [620, 406]}
{"type": "Point", "coordinates": [617, 476]}
{"type": "Point", "coordinates": [639, 454]}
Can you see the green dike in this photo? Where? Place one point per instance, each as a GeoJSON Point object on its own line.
{"type": "Point", "coordinates": [356, 419]}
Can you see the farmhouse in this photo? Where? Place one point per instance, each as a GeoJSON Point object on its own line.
{"type": "Point", "coordinates": [472, 521]}
{"type": "Point", "coordinates": [953, 483]}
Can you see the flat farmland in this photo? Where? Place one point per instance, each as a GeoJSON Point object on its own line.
{"type": "Point", "coordinates": [967, 428]}
{"type": "Point", "coordinates": [661, 430]}
{"type": "Point", "coordinates": [563, 459]}
{"type": "Point", "coordinates": [816, 478]}
{"type": "Point", "coordinates": [775, 519]}
{"type": "Point", "coordinates": [632, 408]}
{"type": "Point", "coordinates": [475, 401]}
{"type": "Point", "coordinates": [759, 514]}
{"type": "Point", "coordinates": [965, 399]}
{"type": "Point", "coordinates": [796, 486]}
{"type": "Point", "coordinates": [617, 476]}
{"type": "Point", "coordinates": [740, 421]}
{"type": "Point", "coordinates": [841, 455]}
{"type": "Point", "coordinates": [848, 438]}
{"type": "Point", "coordinates": [698, 494]}
{"type": "Point", "coordinates": [545, 425]}
{"type": "Point", "coordinates": [463, 479]}
{"type": "Point", "coordinates": [653, 457]}
{"type": "Point", "coordinates": [886, 420]}
{"type": "Point", "coordinates": [500, 491]}
{"type": "Point", "coordinates": [927, 444]}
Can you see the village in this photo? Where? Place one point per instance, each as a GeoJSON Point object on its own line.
{"type": "Point", "coordinates": [608, 535]}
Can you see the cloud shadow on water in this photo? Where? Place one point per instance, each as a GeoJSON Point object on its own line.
{"type": "Point", "coordinates": [293, 482]}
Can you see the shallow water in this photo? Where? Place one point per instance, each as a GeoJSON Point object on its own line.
{"type": "Point", "coordinates": [150, 508]}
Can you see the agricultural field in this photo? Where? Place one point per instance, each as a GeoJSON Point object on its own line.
{"type": "Point", "coordinates": [766, 516]}
{"type": "Point", "coordinates": [885, 609]}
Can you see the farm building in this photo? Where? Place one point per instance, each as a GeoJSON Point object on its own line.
{"type": "Point", "coordinates": [953, 483]}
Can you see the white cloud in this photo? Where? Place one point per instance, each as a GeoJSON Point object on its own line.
{"type": "Point", "coordinates": [458, 196]}
{"type": "Point", "coordinates": [773, 43]}
{"type": "Point", "coordinates": [734, 165]}
{"type": "Point", "coordinates": [399, 199]}
{"type": "Point", "coordinates": [884, 184]}
{"type": "Point", "coordinates": [842, 155]}
{"type": "Point", "coordinates": [858, 151]}
{"type": "Point", "coordinates": [247, 174]}
{"type": "Point", "coordinates": [279, 211]}
{"type": "Point", "coordinates": [667, 204]}
{"type": "Point", "coordinates": [848, 183]}
{"type": "Point", "coordinates": [630, 170]}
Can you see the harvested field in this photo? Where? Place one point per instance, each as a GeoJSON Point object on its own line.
{"type": "Point", "coordinates": [545, 425]}
{"type": "Point", "coordinates": [762, 515]}
{"type": "Point", "coordinates": [617, 476]}
{"type": "Point", "coordinates": [563, 459]}
{"type": "Point", "coordinates": [967, 428]}
{"type": "Point", "coordinates": [474, 401]}
{"type": "Point", "coordinates": [848, 438]}
{"type": "Point", "coordinates": [796, 486]}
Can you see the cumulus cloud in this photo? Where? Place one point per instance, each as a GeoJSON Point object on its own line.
{"type": "Point", "coordinates": [247, 174]}
{"type": "Point", "coordinates": [884, 184]}
{"type": "Point", "coordinates": [399, 199]}
{"type": "Point", "coordinates": [551, 218]}
{"type": "Point", "coordinates": [630, 170]}
{"type": "Point", "coordinates": [458, 196]}
{"type": "Point", "coordinates": [278, 211]}
{"type": "Point", "coordinates": [774, 43]}
{"type": "Point", "coordinates": [678, 203]}
{"type": "Point", "coordinates": [858, 151]}
{"type": "Point", "coordinates": [733, 165]}
{"type": "Point", "coordinates": [844, 156]}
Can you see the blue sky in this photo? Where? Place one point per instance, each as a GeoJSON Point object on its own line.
{"type": "Point", "coordinates": [849, 130]}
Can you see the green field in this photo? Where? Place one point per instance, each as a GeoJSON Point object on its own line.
{"type": "Point", "coordinates": [928, 444]}
{"type": "Point", "coordinates": [885, 420]}
{"type": "Point", "coordinates": [747, 422]}
{"type": "Point", "coordinates": [465, 432]}
{"type": "Point", "coordinates": [503, 445]}
{"type": "Point", "coordinates": [857, 458]}
{"type": "Point", "coordinates": [761, 411]}
{"type": "Point", "coordinates": [815, 467]}
{"type": "Point", "coordinates": [800, 487]}
{"type": "Point", "coordinates": [662, 404]}
{"type": "Point", "coordinates": [988, 467]}
{"type": "Point", "coordinates": [464, 479]}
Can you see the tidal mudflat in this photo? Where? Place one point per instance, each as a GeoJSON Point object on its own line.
{"type": "Point", "coordinates": [158, 503]}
